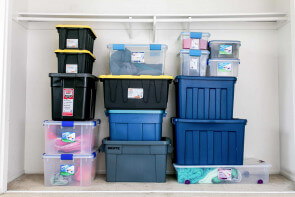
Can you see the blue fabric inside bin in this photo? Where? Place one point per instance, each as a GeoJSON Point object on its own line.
{"type": "Point", "coordinates": [120, 64]}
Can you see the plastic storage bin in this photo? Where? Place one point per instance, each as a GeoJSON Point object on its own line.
{"type": "Point", "coordinates": [224, 67]}
{"type": "Point", "coordinates": [194, 62]}
{"type": "Point", "coordinates": [195, 40]}
{"type": "Point", "coordinates": [135, 92]}
{"type": "Point", "coordinates": [136, 161]}
{"type": "Point", "coordinates": [205, 97]}
{"type": "Point", "coordinates": [137, 59]}
{"type": "Point", "coordinates": [73, 96]}
{"type": "Point", "coordinates": [252, 172]}
{"type": "Point", "coordinates": [76, 137]}
{"type": "Point", "coordinates": [135, 125]}
{"type": "Point", "coordinates": [209, 142]}
{"type": "Point", "coordinates": [75, 61]}
{"type": "Point", "coordinates": [69, 169]}
{"type": "Point", "coordinates": [76, 37]}
{"type": "Point", "coordinates": [224, 49]}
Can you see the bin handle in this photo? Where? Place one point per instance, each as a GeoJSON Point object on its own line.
{"type": "Point", "coordinates": [101, 149]}
{"type": "Point", "coordinates": [158, 88]}
{"type": "Point", "coordinates": [113, 88]}
{"type": "Point", "coordinates": [170, 148]}
{"type": "Point", "coordinates": [125, 87]}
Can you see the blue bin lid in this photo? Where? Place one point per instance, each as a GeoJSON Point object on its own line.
{"type": "Point", "coordinates": [193, 52]}
{"type": "Point", "coordinates": [233, 121]}
{"type": "Point", "coordinates": [136, 112]}
{"type": "Point", "coordinates": [192, 34]}
{"type": "Point", "coordinates": [206, 78]}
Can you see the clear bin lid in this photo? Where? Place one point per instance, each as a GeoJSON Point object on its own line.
{"type": "Point", "coordinates": [196, 34]}
{"type": "Point", "coordinates": [71, 123]}
{"type": "Point", "coordinates": [224, 60]}
{"type": "Point", "coordinates": [74, 52]}
{"type": "Point", "coordinates": [149, 46]}
{"type": "Point", "coordinates": [193, 52]}
{"type": "Point", "coordinates": [225, 41]}
{"type": "Point", "coordinates": [76, 26]}
{"type": "Point", "coordinates": [135, 77]}
{"type": "Point", "coordinates": [250, 162]}
{"type": "Point", "coordinates": [71, 156]}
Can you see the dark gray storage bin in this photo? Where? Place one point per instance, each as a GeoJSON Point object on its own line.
{"type": "Point", "coordinates": [136, 161]}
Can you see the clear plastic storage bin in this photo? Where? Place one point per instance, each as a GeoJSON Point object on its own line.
{"type": "Point", "coordinates": [78, 137]}
{"type": "Point", "coordinates": [194, 40]}
{"type": "Point", "coordinates": [137, 59]}
{"type": "Point", "coordinates": [224, 67]}
{"type": "Point", "coordinates": [224, 49]}
{"type": "Point", "coordinates": [69, 169]}
{"type": "Point", "coordinates": [194, 62]}
{"type": "Point", "coordinates": [252, 172]}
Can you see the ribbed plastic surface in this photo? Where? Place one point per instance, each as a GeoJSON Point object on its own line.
{"type": "Point", "coordinates": [205, 97]}
{"type": "Point", "coordinates": [209, 142]}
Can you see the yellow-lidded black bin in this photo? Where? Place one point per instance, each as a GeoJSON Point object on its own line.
{"type": "Point", "coordinates": [75, 61]}
{"type": "Point", "coordinates": [135, 91]}
{"type": "Point", "coordinates": [79, 37]}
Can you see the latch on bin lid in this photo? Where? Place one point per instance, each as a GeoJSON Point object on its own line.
{"type": "Point", "coordinates": [119, 47]}
{"type": "Point", "coordinates": [67, 123]}
{"type": "Point", "coordinates": [66, 157]}
{"type": "Point", "coordinates": [196, 35]}
{"type": "Point", "coordinates": [155, 46]}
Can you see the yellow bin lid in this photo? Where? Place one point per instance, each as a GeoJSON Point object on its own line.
{"type": "Point", "coordinates": [77, 27]}
{"type": "Point", "coordinates": [74, 51]}
{"type": "Point", "coordinates": [135, 77]}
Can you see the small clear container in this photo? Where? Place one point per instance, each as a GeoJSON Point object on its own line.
{"type": "Point", "coordinates": [69, 169]}
{"type": "Point", "coordinates": [72, 137]}
{"type": "Point", "coordinates": [223, 67]}
{"type": "Point", "coordinates": [252, 172]}
{"type": "Point", "coordinates": [137, 59]}
{"type": "Point", "coordinates": [195, 40]}
{"type": "Point", "coordinates": [224, 49]}
{"type": "Point", "coordinates": [194, 62]}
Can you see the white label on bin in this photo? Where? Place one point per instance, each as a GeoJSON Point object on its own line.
{"type": "Point", "coordinates": [195, 44]}
{"type": "Point", "coordinates": [68, 136]}
{"type": "Point", "coordinates": [72, 43]}
{"type": "Point", "coordinates": [224, 67]}
{"type": "Point", "coordinates": [67, 170]}
{"type": "Point", "coordinates": [194, 63]}
{"type": "Point", "coordinates": [135, 93]}
{"type": "Point", "coordinates": [225, 49]}
{"type": "Point", "coordinates": [224, 174]}
{"type": "Point", "coordinates": [137, 57]}
{"type": "Point", "coordinates": [71, 68]}
{"type": "Point", "coordinates": [68, 102]}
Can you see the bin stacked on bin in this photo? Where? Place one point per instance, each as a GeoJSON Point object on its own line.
{"type": "Point", "coordinates": [135, 98]}
{"type": "Point", "coordinates": [71, 137]}
{"type": "Point", "coordinates": [205, 132]}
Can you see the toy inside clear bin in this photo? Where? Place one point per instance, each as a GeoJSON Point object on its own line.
{"type": "Point", "coordinates": [71, 137]}
{"type": "Point", "coordinates": [69, 169]}
{"type": "Point", "coordinates": [137, 59]}
{"type": "Point", "coordinates": [195, 40]}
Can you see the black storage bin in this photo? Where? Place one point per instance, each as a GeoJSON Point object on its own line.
{"type": "Point", "coordinates": [75, 61]}
{"type": "Point", "coordinates": [73, 96]}
{"type": "Point", "coordinates": [135, 92]}
{"type": "Point", "coordinates": [76, 37]}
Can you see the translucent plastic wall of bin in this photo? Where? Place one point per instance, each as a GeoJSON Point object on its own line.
{"type": "Point", "coordinates": [224, 67]}
{"type": "Point", "coordinates": [75, 137]}
{"type": "Point", "coordinates": [69, 170]}
{"type": "Point", "coordinates": [194, 40]}
{"type": "Point", "coordinates": [252, 172]}
{"type": "Point", "coordinates": [224, 49]}
{"type": "Point", "coordinates": [194, 62]}
{"type": "Point", "coordinates": [137, 59]}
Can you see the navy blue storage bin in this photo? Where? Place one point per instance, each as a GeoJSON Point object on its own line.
{"type": "Point", "coordinates": [205, 98]}
{"type": "Point", "coordinates": [135, 125]}
{"type": "Point", "coordinates": [209, 142]}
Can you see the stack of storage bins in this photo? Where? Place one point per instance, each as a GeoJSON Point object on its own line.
{"type": "Point", "coordinates": [135, 98]}
{"type": "Point", "coordinates": [71, 138]}
{"type": "Point", "coordinates": [205, 132]}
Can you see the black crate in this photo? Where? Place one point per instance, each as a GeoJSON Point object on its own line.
{"type": "Point", "coordinates": [76, 37]}
{"type": "Point", "coordinates": [135, 92]}
{"type": "Point", "coordinates": [73, 96]}
{"type": "Point", "coordinates": [75, 61]}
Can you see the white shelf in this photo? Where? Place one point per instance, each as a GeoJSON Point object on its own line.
{"type": "Point", "coordinates": [152, 19]}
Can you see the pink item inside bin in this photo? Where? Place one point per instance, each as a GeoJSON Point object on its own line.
{"type": "Point", "coordinates": [187, 44]}
{"type": "Point", "coordinates": [68, 147]}
{"type": "Point", "coordinates": [86, 173]}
